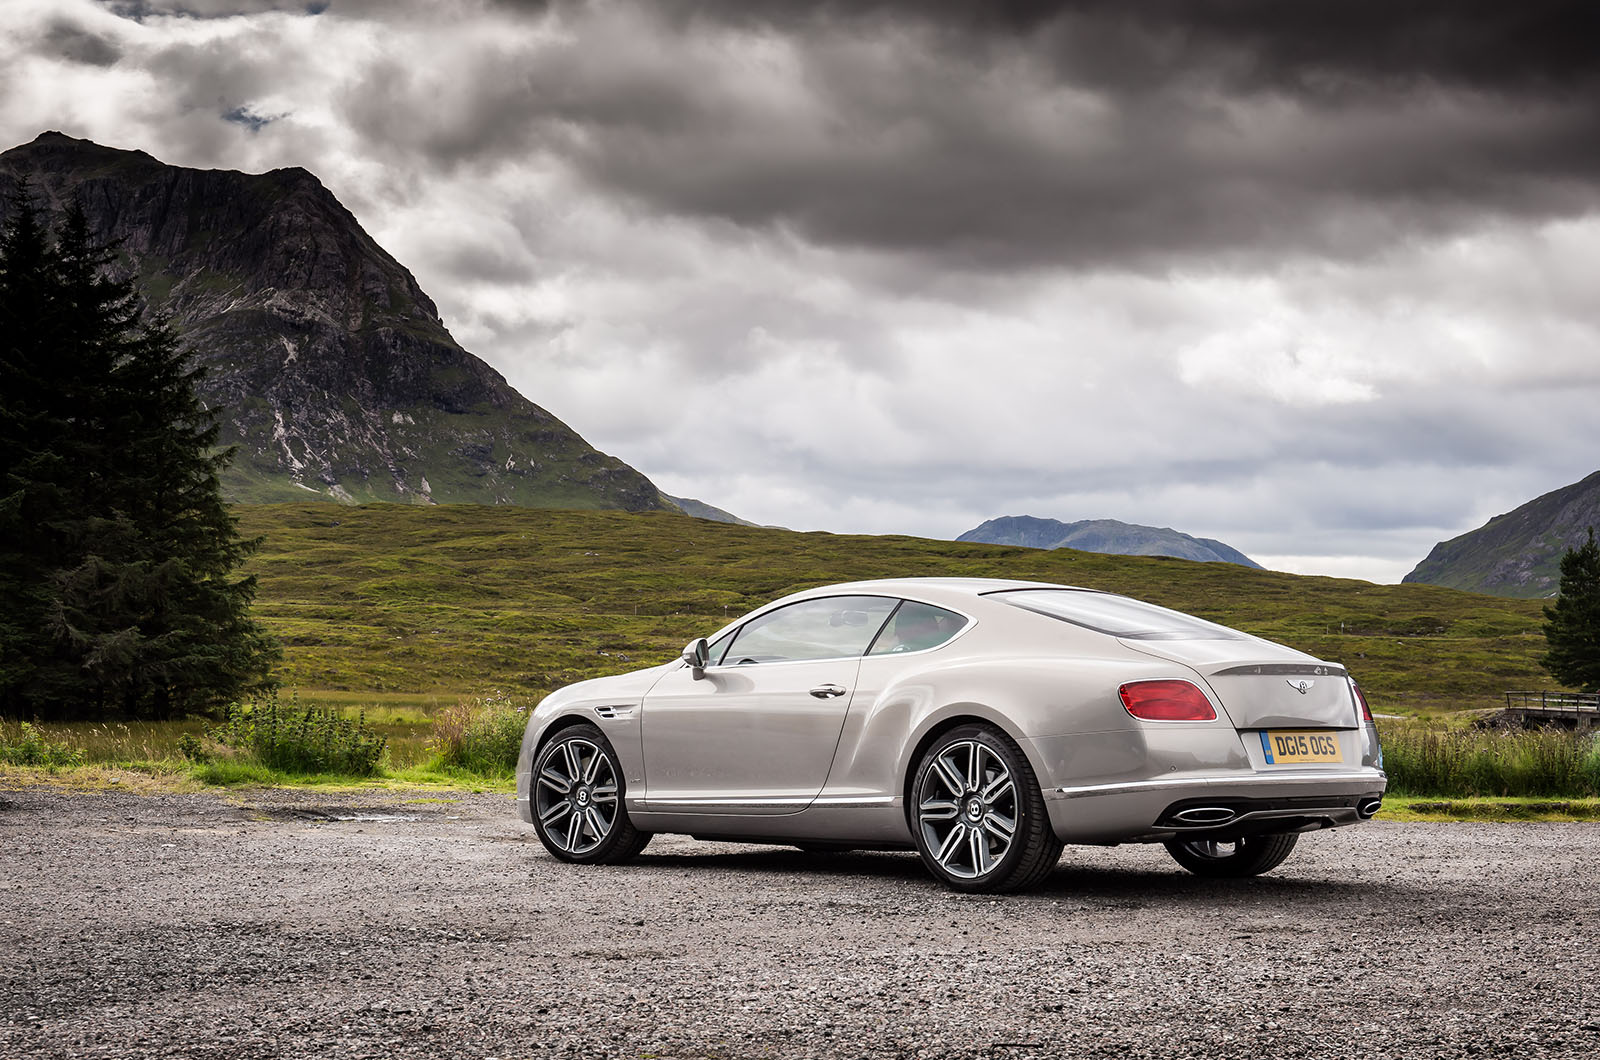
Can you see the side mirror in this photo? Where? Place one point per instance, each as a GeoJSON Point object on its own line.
{"type": "Point", "coordinates": [696, 654]}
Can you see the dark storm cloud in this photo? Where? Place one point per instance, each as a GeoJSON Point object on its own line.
{"type": "Point", "coordinates": [139, 10]}
{"type": "Point", "coordinates": [919, 263]}
{"type": "Point", "coordinates": [1080, 135]}
{"type": "Point", "coordinates": [1312, 44]}
{"type": "Point", "coordinates": [71, 41]}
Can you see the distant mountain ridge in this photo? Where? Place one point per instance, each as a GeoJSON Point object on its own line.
{"type": "Point", "coordinates": [1518, 553]}
{"type": "Point", "coordinates": [332, 367]}
{"type": "Point", "coordinates": [1104, 535]}
{"type": "Point", "coordinates": [702, 510]}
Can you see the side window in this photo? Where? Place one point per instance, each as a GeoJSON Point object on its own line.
{"type": "Point", "coordinates": [718, 646]}
{"type": "Point", "coordinates": [833, 627]}
{"type": "Point", "coordinates": [917, 627]}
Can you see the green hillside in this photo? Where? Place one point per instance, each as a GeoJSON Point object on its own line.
{"type": "Point", "coordinates": [464, 599]}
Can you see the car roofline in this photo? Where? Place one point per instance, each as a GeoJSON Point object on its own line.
{"type": "Point", "coordinates": [952, 586]}
{"type": "Point", "coordinates": [931, 589]}
{"type": "Point", "coordinates": [956, 593]}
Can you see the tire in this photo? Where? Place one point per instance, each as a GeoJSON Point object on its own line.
{"type": "Point", "coordinates": [579, 809]}
{"type": "Point", "coordinates": [977, 815]}
{"type": "Point", "coordinates": [1232, 859]}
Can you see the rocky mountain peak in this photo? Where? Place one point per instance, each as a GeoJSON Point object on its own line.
{"type": "Point", "coordinates": [1518, 553]}
{"type": "Point", "coordinates": [332, 366]}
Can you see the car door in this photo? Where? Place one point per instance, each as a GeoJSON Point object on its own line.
{"type": "Point", "coordinates": [755, 732]}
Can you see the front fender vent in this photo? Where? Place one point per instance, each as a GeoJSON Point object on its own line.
{"type": "Point", "coordinates": [612, 711]}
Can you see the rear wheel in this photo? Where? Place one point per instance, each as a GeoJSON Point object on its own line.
{"type": "Point", "coordinates": [578, 807]}
{"type": "Point", "coordinates": [1250, 856]}
{"type": "Point", "coordinates": [979, 819]}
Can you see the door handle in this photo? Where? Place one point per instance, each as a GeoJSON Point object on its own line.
{"type": "Point", "coordinates": [827, 691]}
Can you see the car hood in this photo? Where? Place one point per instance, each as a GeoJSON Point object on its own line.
{"type": "Point", "coordinates": [617, 690]}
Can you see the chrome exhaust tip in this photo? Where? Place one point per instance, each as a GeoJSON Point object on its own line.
{"type": "Point", "coordinates": [1368, 808]}
{"type": "Point", "coordinates": [1204, 815]}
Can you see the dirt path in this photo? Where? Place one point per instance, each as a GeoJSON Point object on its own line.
{"type": "Point", "coordinates": [257, 926]}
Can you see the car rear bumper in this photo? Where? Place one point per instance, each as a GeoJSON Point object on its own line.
{"type": "Point", "coordinates": [1214, 807]}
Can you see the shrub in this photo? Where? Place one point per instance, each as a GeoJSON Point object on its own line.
{"type": "Point", "coordinates": [190, 747]}
{"type": "Point", "coordinates": [34, 748]}
{"type": "Point", "coordinates": [312, 740]}
{"type": "Point", "coordinates": [483, 735]}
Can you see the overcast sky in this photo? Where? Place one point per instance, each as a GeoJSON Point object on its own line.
{"type": "Point", "coordinates": [1317, 279]}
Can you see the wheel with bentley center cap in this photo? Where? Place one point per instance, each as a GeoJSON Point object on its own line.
{"type": "Point", "coordinates": [578, 807]}
{"type": "Point", "coordinates": [978, 817]}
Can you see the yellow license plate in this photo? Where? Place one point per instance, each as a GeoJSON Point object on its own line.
{"type": "Point", "coordinates": [1287, 748]}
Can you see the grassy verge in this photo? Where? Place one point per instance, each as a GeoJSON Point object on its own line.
{"type": "Point", "coordinates": [468, 745]}
{"type": "Point", "coordinates": [177, 777]}
{"type": "Point", "coordinates": [408, 731]}
{"type": "Point", "coordinates": [474, 743]}
{"type": "Point", "coordinates": [1423, 808]}
{"type": "Point", "coordinates": [156, 778]}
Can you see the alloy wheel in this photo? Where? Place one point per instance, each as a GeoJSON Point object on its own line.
{"type": "Point", "coordinates": [967, 809]}
{"type": "Point", "coordinates": [576, 795]}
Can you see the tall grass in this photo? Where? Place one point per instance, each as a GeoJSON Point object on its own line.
{"type": "Point", "coordinates": [481, 735]}
{"type": "Point", "coordinates": [1423, 761]}
{"type": "Point", "coordinates": [128, 741]}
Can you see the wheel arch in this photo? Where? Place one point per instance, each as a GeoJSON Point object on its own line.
{"type": "Point", "coordinates": [560, 724]}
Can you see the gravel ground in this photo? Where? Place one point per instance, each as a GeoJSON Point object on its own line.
{"type": "Point", "coordinates": [260, 925]}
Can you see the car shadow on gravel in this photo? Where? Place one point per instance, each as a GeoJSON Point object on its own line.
{"type": "Point", "coordinates": [864, 864]}
{"type": "Point", "coordinates": [1124, 888]}
{"type": "Point", "coordinates": [1129, 888]}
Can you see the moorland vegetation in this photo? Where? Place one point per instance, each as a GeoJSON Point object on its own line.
{"type": "Point", "coordinates": [447, 624]}
{"type": "Point", "coordinates": [462, 600]}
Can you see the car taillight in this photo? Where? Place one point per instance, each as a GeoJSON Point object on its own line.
{"type": "Point", "coordinates": [1166, 701]}
{"type": "Point", "coordinates": [1361, 702]}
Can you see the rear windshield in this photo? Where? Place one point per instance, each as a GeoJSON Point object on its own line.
{"type": "Point", "coordinates": [1117, 616]}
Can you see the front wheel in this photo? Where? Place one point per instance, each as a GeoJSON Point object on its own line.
{"type": "Point", "coordinates": [980, 822]}
{"type": "Point", "coordinates": [578, 805]}
{"type": "Point", "coordinates": [1233, 858]}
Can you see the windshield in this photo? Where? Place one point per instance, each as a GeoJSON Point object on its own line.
{"type": "Point", "coordinates": [1117, 616]}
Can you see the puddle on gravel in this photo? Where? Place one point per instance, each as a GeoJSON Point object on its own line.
{"type": "Point", "coordinates": [364, 815]}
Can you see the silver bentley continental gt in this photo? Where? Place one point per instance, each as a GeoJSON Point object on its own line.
{"type": "Point", "coordinates": [982, 723]}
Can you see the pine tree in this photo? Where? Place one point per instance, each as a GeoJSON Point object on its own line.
{"type": "Point", "coordinates": [31, 418]}
{"type": "Point", "coordinates": [1572, 624]}
{"type": "Point", "coordinates": [118, 557]}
